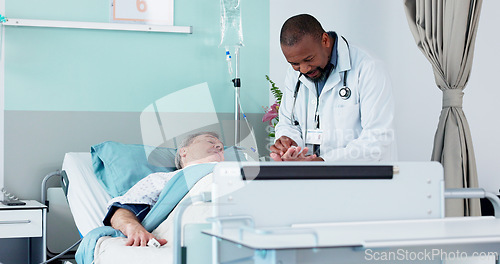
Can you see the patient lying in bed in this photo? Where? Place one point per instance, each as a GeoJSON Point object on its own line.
{"type": "Point", "coordinates": [126, 212]}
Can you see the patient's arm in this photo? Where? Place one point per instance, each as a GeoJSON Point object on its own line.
{"type": "Point", "coordinates": [126, 221]}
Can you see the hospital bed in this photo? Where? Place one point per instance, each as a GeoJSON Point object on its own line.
{"type": "Point", "coordinates": [296, 213]}
{"type": "Point", "coordinates": [89, 181]}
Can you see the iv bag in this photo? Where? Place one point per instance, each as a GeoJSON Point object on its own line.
{"type": "Point", "coordinates": [231, 31]}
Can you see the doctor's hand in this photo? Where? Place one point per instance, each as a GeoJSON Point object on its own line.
{"type": "Point", "coordinates": [282, 145]}
{"type": "Point", "coordinates": [295, 154]}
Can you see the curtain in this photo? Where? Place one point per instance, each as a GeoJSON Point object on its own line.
{"type": "Point", "coordinates": [445, 32]}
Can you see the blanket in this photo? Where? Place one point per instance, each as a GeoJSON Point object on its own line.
{"type": "Point", "coordinates": [172, 193]}
{"type": "Point", "coordinates": [113, 250]}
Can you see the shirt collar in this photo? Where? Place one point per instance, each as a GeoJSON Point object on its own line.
{"type": "Point", "coordinates": [334, 55]}
{"type": "Point", "coordinates": [330, 66]}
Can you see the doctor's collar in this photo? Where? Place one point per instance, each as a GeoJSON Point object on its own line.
{"type": "Point", "coordinates": [334, 55]}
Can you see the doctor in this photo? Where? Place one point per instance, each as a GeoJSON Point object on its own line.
{"type": "Point", "coordinates": [337, 102]}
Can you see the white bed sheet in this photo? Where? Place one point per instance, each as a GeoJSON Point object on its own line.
{"type": "Point", "coordinates": [86, 197]}
{"type": "Point", "coordinates": [113, 250]}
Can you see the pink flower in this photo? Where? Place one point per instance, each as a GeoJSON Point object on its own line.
{"type": "Point", "coordinates": [271, 114]}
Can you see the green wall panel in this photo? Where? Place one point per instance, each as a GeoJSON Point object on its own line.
{"type": "Point", "coordinates": [54, 69]}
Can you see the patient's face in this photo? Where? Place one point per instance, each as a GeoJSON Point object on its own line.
{"type": "Point", "coordinates": [204, 148]}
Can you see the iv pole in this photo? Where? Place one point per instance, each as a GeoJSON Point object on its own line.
{"type": "Point", "coordinates": [237, 86]}
{"type": "Point", "coordinates": [231, 21]}
{"type": "Point", "coordinates": [231, 24]}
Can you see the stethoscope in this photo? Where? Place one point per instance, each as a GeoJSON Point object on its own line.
{"type": "Point", "coordinates": [344, 93]}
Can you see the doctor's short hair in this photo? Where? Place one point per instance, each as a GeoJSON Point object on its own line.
{"type": "Point", "coordinates": [296, 27]}
{"type": "Point", "coordinates": [188, 141]}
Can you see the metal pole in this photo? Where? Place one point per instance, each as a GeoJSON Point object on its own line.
{"type": "Point", "coordinates": [237, 85]}
{"type": "Point", "coordinates": [470, 193]}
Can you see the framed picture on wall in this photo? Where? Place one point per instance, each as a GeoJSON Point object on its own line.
{"type": "Point", "coordinates": [158, 12]}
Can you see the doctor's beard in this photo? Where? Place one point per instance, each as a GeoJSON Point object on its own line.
{"type": "Point", "coordinates": [324, 73]}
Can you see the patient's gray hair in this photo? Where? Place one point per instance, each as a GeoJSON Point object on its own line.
{"type": "Point", "coordinates": [188, 141]}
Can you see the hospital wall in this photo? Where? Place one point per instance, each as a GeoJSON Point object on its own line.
{"type": "Point", "coordinates": [68, 89]}
{"type": "Point", "coordinates": [381, 28]}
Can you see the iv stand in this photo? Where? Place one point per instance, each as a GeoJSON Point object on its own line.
{"type": "Point", "coordinates": [237, 86]}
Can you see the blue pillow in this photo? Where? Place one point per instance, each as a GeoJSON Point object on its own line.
{"type": "Point", "coordinates": [119, 166]}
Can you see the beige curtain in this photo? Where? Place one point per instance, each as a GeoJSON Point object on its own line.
{"type": "Point", "coordinates": [445, 31]}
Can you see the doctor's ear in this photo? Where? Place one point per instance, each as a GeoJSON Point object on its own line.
{"type": "Point", "coordinates": [325, 40]}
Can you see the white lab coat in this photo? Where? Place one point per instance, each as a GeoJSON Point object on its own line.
{"type": "Point", "coordinates": [357, 129]}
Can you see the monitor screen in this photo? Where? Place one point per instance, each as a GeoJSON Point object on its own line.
{"type": "Point", "coordinates": [314, 172]}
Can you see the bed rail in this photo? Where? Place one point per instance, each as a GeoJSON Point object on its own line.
{"type": "Point", "coordinates": [469, 193]}
{"type": "Point", "coordinates": [68, 254]}
{"type": "Point", "coordinates": [177, 247]}
{"type": "Point", "coordinates": [44, 186]}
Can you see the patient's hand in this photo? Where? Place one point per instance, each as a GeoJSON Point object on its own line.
{"type": "Point", "coordinates": [282, 145]}
{"type": "Point", "coordinates": [127, 223]}
{"type": "Point", "coordinates": [295, 154]}
{"type": "Point", "coordinates": [138, 236]}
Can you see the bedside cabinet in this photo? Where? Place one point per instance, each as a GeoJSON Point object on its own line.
{"type": "Point", "coordinates": [23, 233]}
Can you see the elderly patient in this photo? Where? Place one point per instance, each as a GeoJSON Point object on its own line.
{"type": "Point", "coordinates": [126, 212]}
